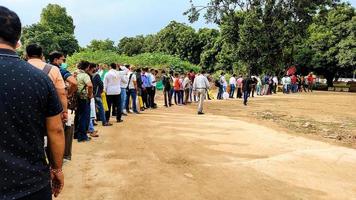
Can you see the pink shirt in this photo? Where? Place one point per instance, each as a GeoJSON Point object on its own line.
{"type": "Point", "coordinates": [239, 82]}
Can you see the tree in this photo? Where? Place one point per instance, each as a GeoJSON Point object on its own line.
{"type": "Point", "coordinates": [55, 31]}
{"type": "Point", "coordinates": [102, 45]}
{"type": "Point", "coordinates": [332, 42]}
{"type": "Point", "coordinates": [132, 45]}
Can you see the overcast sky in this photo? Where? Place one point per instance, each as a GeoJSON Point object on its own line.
{"type": "Point", "coordinates": [113, 19]}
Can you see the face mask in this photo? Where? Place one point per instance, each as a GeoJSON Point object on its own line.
{"type": "Point", "coordinates": [64, 65]}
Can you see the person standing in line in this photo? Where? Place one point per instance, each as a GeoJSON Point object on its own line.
{"type": "Point", "coordinates": [123, 71]}
{"type": "Point", "coordinates": [84, 93]}
{"type": "Point", "coordinates": [132, 92]}
{"type": "Point", "coordinates": [303, 82]}
{"type": "Point", "coordinates": [284, 79]}
{"type": "Point", "coordinates": [239, 87]}
{"type": "Point", "coordinates": [138, 74]}
{"type": "Point", "coordinates": [177, 87]}
{"type": "Point", "coordinates": [253, 86]}
{"type": "Point", "coordinates": [232, 86]}
{"type": "Point", "coordinates": [221, 86]}
{"type": "Point", "coordinates": [187, 85]}
{"type": "Point", "coordinates": [266, 84]}
{"type": "Point", "coordinates": [310, 80]}
{"type": "Point", "coordinates": [145, 86]}
{"type": "Point", "coordinates": [30, 108]}
{"type": "Point", "coordinates": [200, 86]}
{"type": "Point", "coordinates": [246, 88]}
{"type": "Point", "coordinates": [192, 96]}
{"type": "Point", "coordinates": [259, 86]}
{"type": "Point", "coordinates": [275, 84]}
{"type": "Point", "coordinates": [112, 88]}
{"type": "Point", "coordinates": [166, 89]}
{"type": "Point", "coordinates": [98, 88]}
{"type": "Point", "coordinates": [294, 83]}
{"type": "Point", "coordinates": [181, 89]}
{"type": "Point", "coordinates": [153, 80]}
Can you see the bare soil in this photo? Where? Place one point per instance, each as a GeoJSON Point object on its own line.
{"type": "Point", "coordinates": [278, 147]}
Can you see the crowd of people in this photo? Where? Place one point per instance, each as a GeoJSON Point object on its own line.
{"type": "Point", "coordinates": [42, 102]}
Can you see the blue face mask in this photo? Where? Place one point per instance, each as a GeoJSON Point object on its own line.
{"type": "Point", "coordinates": [64, 65]}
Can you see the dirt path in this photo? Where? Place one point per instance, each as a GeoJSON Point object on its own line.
{"type": "Point", "coordinates": [175, 154]}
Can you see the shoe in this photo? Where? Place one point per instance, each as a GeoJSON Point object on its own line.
{"type": "Point", "coordinates": [124, 114]}
{"type": "Point", "coordinates": [107, 124]}
{"type": "Point", "coordinates": [119, 121]}
{"type": "Point", "coordinates": [137, 113]}
{"type": "Point", "coordinates": [85, 140]}
{"type": "Point", "coordinates": [200, 113]}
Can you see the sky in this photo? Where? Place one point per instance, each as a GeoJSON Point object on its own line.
{"type": "Point", "coordinates": [113, 19]}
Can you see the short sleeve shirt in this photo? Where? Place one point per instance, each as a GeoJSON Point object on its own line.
{"type": "Point", "coordinates": [27, 98]}
{"type": "Point", "coordinates": [83, 79]}
{"type": "Point", "coordinates": [55, 75]}
{"type": "Point", "coordinates": [132, 80]}
{"type": "Point", "coordinates": [65, 73]}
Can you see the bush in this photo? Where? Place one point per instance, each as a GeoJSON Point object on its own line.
{"type": "Point", "coordinates": [153, 60]}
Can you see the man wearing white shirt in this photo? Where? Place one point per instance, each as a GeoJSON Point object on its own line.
{"type": "Point", "coordinates": [124, 83]}
{"type": "Point", "coordinates": [200, 86]}
{"type": "Point", "coordinates": [232, 86]}
{"type": "Point", "coordinates": [153, 75]}
{"type": "Point", "coordinates": [112, 88]}
{"type": "Point", "coordinates": [132, 92]}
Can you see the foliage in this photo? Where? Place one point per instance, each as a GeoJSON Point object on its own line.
{"type": "Point", "coordinates": [55, 31]}
{"type": "Point", "coordinates": [154, 60]}
{"type": "Point", "coordinates": [102, 45]}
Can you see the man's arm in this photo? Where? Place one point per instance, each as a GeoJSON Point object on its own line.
{"type": "Point", "coordinates": [64, 101]}
{"type": "Point", "coordinates": [90, 89]}
{"type": "Point", "coordinates": [73, 85]}
{"type": "Point", "coordinates": [56, 143]}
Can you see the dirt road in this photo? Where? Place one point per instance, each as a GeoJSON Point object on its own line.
{"type": "Point", "coordinates": [172, 153]}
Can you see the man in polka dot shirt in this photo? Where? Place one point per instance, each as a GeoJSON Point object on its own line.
{"type": "Point", "coordinates": [30, 109]}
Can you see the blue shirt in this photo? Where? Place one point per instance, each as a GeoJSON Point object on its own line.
{"type": "Point", "coordinates": [27, 98]}
{"type": "Point", "coordinates": [145, 81]}
{"type": "Point", "coordinates": [65, 73]}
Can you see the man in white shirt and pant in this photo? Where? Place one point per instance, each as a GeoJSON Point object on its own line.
{"type": "Point", "coordinates": [200, 86]}
{"type": "Point", "coordinates": [112, 88]}
{"type": "Point", "coordinates": [124, 83]}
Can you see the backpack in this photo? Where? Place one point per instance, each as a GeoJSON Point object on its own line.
{"type": "Point", "coordinates": [217, 83]}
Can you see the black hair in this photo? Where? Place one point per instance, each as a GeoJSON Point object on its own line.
{"type": "Point", "coordinates": [10, 27]}
{"type": "Point", "coordinates": [191, 71]}
{"type": "Point", "coordinates": [55, 55]}
{"type": "Point", "coordinates": [234, 75]}
{"type": "Point", "coordinates": [163, 72]}
{"type": "Point", "coordinates": [156, 71]}
{"type": "Point", "coordinates": [34, 51]}
{"type": "Point", "coordinates": [203, 71]}
{"type": "Point", "coordinates": [92, 65]}
{"type": "Point", "coordinates": [138, 70]}
{"type": "Point", "coordinates": [83, 65]}
{"type": "Point", "coordinates": [113, 65]}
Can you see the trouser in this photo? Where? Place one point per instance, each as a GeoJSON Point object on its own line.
{"type": "Point", "coordinates": [91, 126]}
{"type": "Point", "coordinates": [275, 86]}
{"type": "Point", "coordinates": [246, 95]}
{"type": "Point", "coordinates": [83, 112]}
{"type": "Point", "coordinates": [149, 97]}
{"type": "Point", "coordinates": [123, 99]}
{"type": "Point", "coordinates": [192, 95]}
{"type": "Point", "coordinates": [131, 93]}
{"type": "Point", "coordinates": [258, 89]}
{"type": "Point", "coordinates": [265, 89]}
{"type": "Point", "coordinates": [178, 96]}
{"type": "Point", "coordinates": [232, 90]}
{"type": "Point", "coordinates": [201, 95]}
{"type": "Point", "coordinates": [220, 93]}
{"type": "Point", "coordinates": [101, 111]}
{"type": "Point", "coordinates": [186, 95]}
{"type": "Point", "coordinates": [43, 194]}
{"type": "Point", "coordinates": [68, 136]}
{"type": "Point", "coordinates": [239, 93]}
{"type": "Point", "coordinates": [145, 97]}
{"type": "Point", "coordinates": [167, 96]}
{"type": "Point", "coordinates": [153, 97]}
{"type": "Point", "coordinates": [253, 89]}
{"type": "Point", "coordinates": [114, 102]}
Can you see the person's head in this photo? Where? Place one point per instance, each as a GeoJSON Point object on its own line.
{"type": "Point", "coordinates": [222, 73]}
{"type": "Point", "coordinates": [234, 75]}
{"type": "Point", "coordinates": [163, 72]}
{"type": "Point", "coordinates": [113, 66]}
{"type": "Point", "coordinates": [191, 71]}
{"type": "Point", "coordinates": [152, 71]}
{"type": "Point", "coordinates": [171, 72]}
{"type": "Point", "coordinates": [83, 65]}
{"type": "Point", "coordinates": [138, 71]}
{"type": "Point", "coordinates": [176, 75]}
{"type": "Point", "coordinates": [92, 68]}
{"type": "Point", "coordinates": [34, 51]}
{"type": "Point", "coordinates": [56, 58]}
{"type": "Point", "coordinates": [10, 27]}
{"type": "Point", "coordinates": [203, 72]}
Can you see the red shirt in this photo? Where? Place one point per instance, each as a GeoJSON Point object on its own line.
{"type": "Point", "coordinates": [310, 79]}
{"type": "Point", "coordinates": [294, 79]}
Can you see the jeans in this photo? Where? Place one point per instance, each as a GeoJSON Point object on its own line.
{"type": "Point", "coordinates": [232, 90]}
{"type": "Point", "coordinates": [178, 96]}
{"type": "Point", "coordinates": [83, 112]}
{"type": "Point", "coordinates": [123, 99]}
{"type": "Point", "coordinates": [131, 93]}
{"type": "Point", "coordinates": [239, 93]}
{"type": "Point", "coordinates": [221, 92]}
{"type": "Point", "coordinates": [246, 95]}
{"type": "Point", "coordinates": [258, 89]}
{"type": "Point", "coordinates": [91, 126]}
{"type": "Point", "coordinates": [167, 97]}
{"type": "Point", "coordinates": [101, 111]}
{"type": "Point", "coordinates": [114, 102]}
{"type": "Point", "coordinates": [192, 95]}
